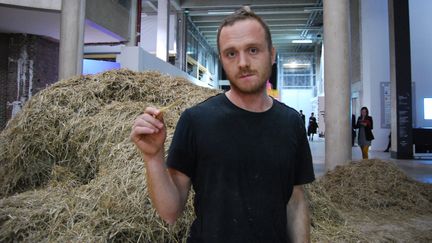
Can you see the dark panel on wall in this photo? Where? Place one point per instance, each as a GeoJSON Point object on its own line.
{"type": "Point", "coordinates": [402, 68]}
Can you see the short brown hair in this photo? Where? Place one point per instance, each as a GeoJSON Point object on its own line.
{"type": "Point", "coordinates": [243, 14]}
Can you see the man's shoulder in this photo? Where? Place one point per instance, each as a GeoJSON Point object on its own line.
{"type": "Point", "coordinates": [204, 107]}
{"type": "Point", "coordinates": [209, 103]}
{"type": "Point", "coordinates": [287, 110]}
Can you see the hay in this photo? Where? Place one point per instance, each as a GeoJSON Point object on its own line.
{"type": "Point", "coordinates": [72, 142]}
{"type": "Point", "coordinates": [68, 171]}
{"type": "Point", "coordinates": [377, 185]}
{"type": "Point", "coordinates": [66, 123]}
{"type": "Point", "coordinates": [328, 224]}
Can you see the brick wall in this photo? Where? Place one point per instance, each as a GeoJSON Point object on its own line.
{"type": "Point", "coordinates": [46, 58]}
{"type": "Point", "coordinates": [4, 54]}
{"type": "Point", "coordinates": [35, 58]}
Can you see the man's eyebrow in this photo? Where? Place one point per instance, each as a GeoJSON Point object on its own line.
{"type": "Point", "coordinates": [230, 48]}
{"type": "Point", "coordinates": [248, 45]}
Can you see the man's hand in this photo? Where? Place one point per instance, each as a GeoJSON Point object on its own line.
{"type": "Point", "coordinates": [168, 188]}
{"type": "Point", "coordinates": [149, 133]}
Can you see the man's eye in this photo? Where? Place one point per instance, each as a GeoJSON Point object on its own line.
{"type": "Point", "coordinates": [230, 54]}
{"type": "Point", "coordinates": [253, 50]}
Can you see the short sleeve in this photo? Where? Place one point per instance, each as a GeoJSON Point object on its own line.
{"type": "Point", "coordinates": [304, 172]}
{"type": "Point", "coordinates": [181, 154]}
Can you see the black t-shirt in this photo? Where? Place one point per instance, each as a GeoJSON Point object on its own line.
{"type": "Point", "coordinates": [242, 166]}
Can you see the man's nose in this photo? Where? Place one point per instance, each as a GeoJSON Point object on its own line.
{"type": "Point", "coordinates": [243, 60]}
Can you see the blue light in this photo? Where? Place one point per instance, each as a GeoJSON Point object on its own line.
{"type": "Point", "coordinates": [96, 66]}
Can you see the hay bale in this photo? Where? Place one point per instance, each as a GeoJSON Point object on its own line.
{"type": "Point", "coordinates": [376, 185]}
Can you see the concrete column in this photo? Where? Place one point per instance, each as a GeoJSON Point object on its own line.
{"type": "Point", "coordinates": [162, 30]}
{"type": "Point", "coordinates": [133, 23]}
{"type": "Point", "coordinates": [355, 47]}
{"type": "Point", "coordinates": [181, 40]}
{"type": "Point", "coordinates": [336, 83]}
{"type": "Point", "coordinates": [71, 38]}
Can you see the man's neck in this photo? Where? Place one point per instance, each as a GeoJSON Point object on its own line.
{"type": "Point", "coordinates": [259, 102]}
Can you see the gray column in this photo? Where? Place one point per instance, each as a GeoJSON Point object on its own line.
{"type": "Point", "coordinates": [133, 23]}
{"type": "Point", "coordinates": [71, 38]}
{"type": "Point", "coordinates": [181, 40]}
{"type": "Point", "coordinates": [337, 83]}
{"type": "Point", "coordinates": [162, 30]}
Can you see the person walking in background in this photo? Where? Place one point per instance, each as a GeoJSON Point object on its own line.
{"type": "Point", "coordinates": [389, 143]}
{"type": "Point", "coordinates": [353, 131]}
{"type": "Point", "coordinates": [303, 116]}
{"type": "Point", "coordinates": [365, 135]}
{"type": "Point", "coordinates": [312, 127]}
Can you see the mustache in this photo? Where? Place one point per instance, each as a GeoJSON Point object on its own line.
{"type": "Point", "coordinates": [247, 71]}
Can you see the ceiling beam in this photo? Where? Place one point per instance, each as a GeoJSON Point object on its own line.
{"type": "Point", "coordinates": [260, 12]}
{"type": "Point", "coordinates": [176, 4]}
{"type": "Point", "coordinates": [267, 18]}
{"type": "Point", "coordinates": [151, 5]}
{"type": "Point", "coordinates": [238, 3]}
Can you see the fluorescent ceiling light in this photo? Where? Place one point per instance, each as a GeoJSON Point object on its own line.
{"type": "Point", "coordinates": [295, 65]}
{"type": "Point", "coordinates": [215, 12]}
{"type": "Point", "coordinates": [302, 41]}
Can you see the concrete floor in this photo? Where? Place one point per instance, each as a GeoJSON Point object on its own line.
{"type": "Point", "coordinates": [418, 169]}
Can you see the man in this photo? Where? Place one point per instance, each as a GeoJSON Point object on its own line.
{"type": "Point", "coordinates": [245, 154]}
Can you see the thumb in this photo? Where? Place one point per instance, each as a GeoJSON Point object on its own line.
{"type": "Point", "coordinates": [160, 116]}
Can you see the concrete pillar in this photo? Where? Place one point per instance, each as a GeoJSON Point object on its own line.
{"type": "Point", "coordinates": [162, 30]}
{"type": "Point", "coordinates": [336, 83]}
{"type": "Point", "coordinates": [181, 40]}
{"type": "Point", "coordinates": [355, 48]}
{"type": "Point", "coordinates": [400, 80]}
{"type": "Point", "coordinates": [71, 38]}
{"type": "Point", "coordinates": [133, 23]}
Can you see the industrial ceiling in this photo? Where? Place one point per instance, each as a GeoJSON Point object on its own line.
{"type": "Point", "coordinates": [288, 20]}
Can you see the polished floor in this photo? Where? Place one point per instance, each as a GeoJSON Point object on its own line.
{"type": "Point", "coordinates": [418, 169]}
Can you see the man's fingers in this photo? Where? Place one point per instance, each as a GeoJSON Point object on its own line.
{"type": "Point", "coordinates": [141, 123]}
{"type": "Point", "coordinates": [145, 130]}
{"type": "Point", "coordinates": [148, 119]}
{"type": "Point", "coordinates": [152, 111]}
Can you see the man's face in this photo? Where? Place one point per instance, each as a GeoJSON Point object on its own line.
{"type": "Point", "coordinates": [245, 56]}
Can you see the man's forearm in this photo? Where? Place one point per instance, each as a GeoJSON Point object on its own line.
{"type": "Point", "coordinates": [298, 219]}
{"type": "Point", "coordinates": [164, 194]}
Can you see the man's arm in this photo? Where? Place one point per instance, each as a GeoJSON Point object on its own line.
{"type": "Point", "coordinates": [168, 188]}
{"type": "Point", "coordinates": [298, 220]}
